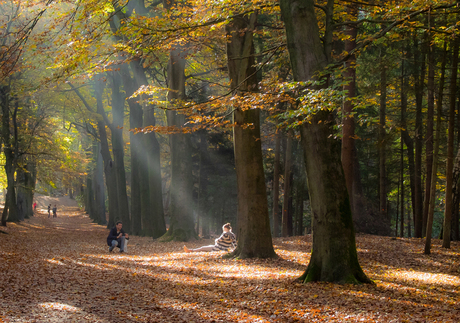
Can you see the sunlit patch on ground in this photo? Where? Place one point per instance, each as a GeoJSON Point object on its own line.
{"type": "Point", "coordinates": [59, 307]}
{"type": "Point", "coordinates": [60, 270]}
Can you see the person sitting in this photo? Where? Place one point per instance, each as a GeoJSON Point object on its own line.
{"type": "Point", "coordinates": [118, 238]}
{"type": "Point", "coordinates": [226, 241]}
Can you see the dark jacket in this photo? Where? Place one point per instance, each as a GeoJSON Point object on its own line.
{"type": "Point", "coordinates": [113, 235]}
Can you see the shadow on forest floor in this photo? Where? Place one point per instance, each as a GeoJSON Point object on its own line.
{"type": "Point", "coordinates": [58, 270]}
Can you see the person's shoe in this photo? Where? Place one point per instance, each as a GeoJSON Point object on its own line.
{"type": "Point", "coordinates": [111, 248]}
{"type": "Point", "coordinates": [121, 251]}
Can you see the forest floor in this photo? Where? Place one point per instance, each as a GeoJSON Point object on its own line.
{"type": "Point", "coordinates": [60, 270]}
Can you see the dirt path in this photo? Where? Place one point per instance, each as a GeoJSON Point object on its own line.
{"type": "Point", "coordinates": [60, 270]}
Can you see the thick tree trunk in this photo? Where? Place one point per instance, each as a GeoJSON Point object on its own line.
{"type": "Point", "coordinates": [109, 171]}
{"type": "Point", "coordinates": [429, 225]}
{"type": "Point", "coordinates": [254, 236]}
{"type": "Point", "coordinates": [153, 211]}
{"type": "Point", "coordinates": [450, 147]}
{"type": "Point", "coordinates": [181, 203]}
{"type": "Point", "coordinates": [334, 257]}
{"type": "Point", "coordinates": [10, 212]}
{"type": "Point", "coordinates": [276, 186]}
{"type": "Point", "coordinates": [118, 109]}
{"type": "Point", "coordinates": [154, 221]}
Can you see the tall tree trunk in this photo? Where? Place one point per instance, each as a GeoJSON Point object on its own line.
{"type": "Point", "coordinates": [154, 221]}
{"type": "Point", "coordinates": [10, 211]}
{"type": "Point", "coordinates": [450, 147]}
{"type": "Point", "coordinates": [429, 133]}
{"type": "Point", "coordinates": [418, 138]}
{"type": "Point", "coordinates": [139, 168]}
{"type": "Point", "coordinates": [286, 213]}
{"type": "Point", "coordinates": [109, 171]}
{"type": "Point", "coordinates": [429, 225]}
{"type": "Point", "coordinates": [382, 142]}
{"type": "Point", "coordinates": [118, 109]}
{"type": "Point", "coordinates": [276, 185]}
{"type": "Point", "coordinates": [154, 217]}
{"type": "Point", "coordinates": [181, 206]}
{"type": "Point", "coordinates": [254, 236]}
{"type": "Point", "coordinates": [348, 130]}
{"type": "Point", "coordinates": [407, 139]}
{"type": "Point", "coordinates": [401, 227]}
{"type": "Point", "coordinates": [203, 185]}
{"type": "Point", "coordinates": [456, 196]}
{"type": "Point", "coordinates": [334, 257]}
{"type": "Point", "coordinates": [98, 184]}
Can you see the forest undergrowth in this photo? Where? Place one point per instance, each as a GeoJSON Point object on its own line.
{"type": "Point", "coordinates": [60, 270]}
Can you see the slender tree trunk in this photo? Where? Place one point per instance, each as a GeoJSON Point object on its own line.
{"type": "Point", "coordinates": [203, 186]}
{"type": "Point", "coordinates": [429, 226]}
{"type": "Point", "coordinates": [348, 130]}
{"type": "Point", "coordinates": [456, 196]}
{"type": "Point", "coordinates": [401, 228]}
{"type": "Point", "coordinates": [419, 78]}
{"type": "Point", "coordinates": [286, 214]}
{"type": "Point", "coordinates": [429, 133]}
{"type": "Point", "coordinates": [276, 185]}
{"type": "Point", "coordinates": [98, 182]}
{"type": "Point", "coordinates": [254, 236]}
{"type": "Point", "coordinates": [382, 142]}
{"type": "Point", "coordinates": [334, 257]}
{"type": "Point", "coordinates": [450, 148]}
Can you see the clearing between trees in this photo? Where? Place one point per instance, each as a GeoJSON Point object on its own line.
{"type": "Point", "coordinates": [60, 270]}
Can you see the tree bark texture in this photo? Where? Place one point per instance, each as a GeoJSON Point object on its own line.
{"type": "Point", "coordinates": [153, 211]}
{"type": "Point", "coordinates": [254, 236]}
{"type": "Point", "coordinates": [348, 130]}
{"type": "Point", "coordinates": [456, 196]}
{"type": "Point", "coordinates": [450, 147]}
{"type": "Point", "coordinates": [286, 215]}
{"type": "Point", "coordinates": [109, 171]}
{"type": "Point", "coordinates": [276, 186]}
{"type": "Point", "coordinates": [139, 179]}
{"type": "Point", "coordinates": [429, 225]}
{"type": "Point", "coordinates": [98, 186]}
{"type": "Point", "coordinates": [429, 133]}
{"type": "Point", "coordinates": [10, 212]}
{"type": "Point", "coordinates": [181, 203]}
{"type": "Point", "coordinates": [118, 109]}
{"type": "Point", "coordinates": [154, 220]}
{"type": "Point", "coordinates": [382, 143]}
{"type": "Point", "coordinates": [334, 257]}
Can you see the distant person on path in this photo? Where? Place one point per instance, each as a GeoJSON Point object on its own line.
{"type": "Point", "coordinates": [226, 241]}
{"type": "Point", "coordinates": [54, 211]}
{"type": "Point", "coordinates": [35, 206]}
{"type": "Point", "coordinates": [118, 238]}
{"type": "Point", "coordinates": [49, 211]}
